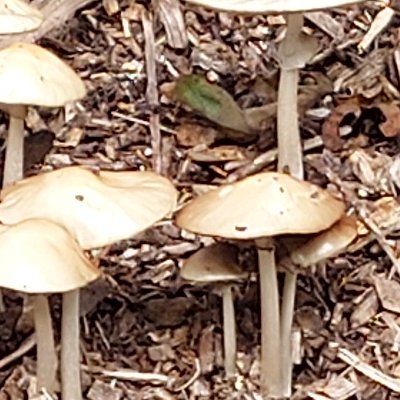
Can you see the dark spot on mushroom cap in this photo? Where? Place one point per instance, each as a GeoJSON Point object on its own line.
{"type": "Point", "coordinates": [315, 195]}
{"type": "Point", "coordinates": [241, 228]}
{"type": "Point", "coordinates": [281, 189]}
{"type": "Point", "coordinates": [79, 197]}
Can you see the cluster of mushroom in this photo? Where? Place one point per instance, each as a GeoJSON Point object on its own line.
{"type": "Point", "coordinates": [53, 217]}
{"type": "Point", "coordinates": [263, 207]}
{"type": "Point", "coordinates": [294, 51]}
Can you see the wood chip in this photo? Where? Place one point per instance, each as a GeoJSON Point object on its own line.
{"type": "Point", "coordinates": [367, 370]}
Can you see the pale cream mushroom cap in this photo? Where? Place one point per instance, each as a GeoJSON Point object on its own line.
{"type": "Point", "coordinates": [39, 256]}
{"type": "Point", "coordinates": [16, 16]}
{"type": "Point", "coordinates": [32, 75]}
{"type": "Point", "coordinates": [271, 6]}
{"type": "Point", "coordinates": [215, 263]}
{"type": "Point", "coordinates": [97, 209]}
{"type": "Point", "coordinates": [263, 205]}
{"type": "Point", "coordinates": [326, 244]}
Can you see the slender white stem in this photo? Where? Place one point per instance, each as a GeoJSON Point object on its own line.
{"type": "Point", "coordinates": [14, 159]}
{"type": "Point", "coordinates": [287, 312]}
{"type": "Point", "coordinates": [45, 348]}
{"type": "Point", "coordinates": [70, 354]}
{"type": "Point", "coordinates": [290, 157]}
{"type": "Point", "coordinates": [270, 325]}
{"type": "Point", "coordinates": [229, 331]}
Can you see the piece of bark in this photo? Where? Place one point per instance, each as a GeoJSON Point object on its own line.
{"type": "Point", "coordinates": [170, 12]}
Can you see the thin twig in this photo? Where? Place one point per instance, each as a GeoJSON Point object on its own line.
{"type": "Point", "coordinates": [371, 372]}
{"type": "Point", "coordinates": [152, 91]}
{"type": "Point", "coordinates": [141, 122]}
{"type": "Point", "coordinates": [26, 346]}
{"type": "Point", "coordinates": [128, 374]}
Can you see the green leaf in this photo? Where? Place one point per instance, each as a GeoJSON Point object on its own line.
{"type": "Point", "coordinates": [212, 102]}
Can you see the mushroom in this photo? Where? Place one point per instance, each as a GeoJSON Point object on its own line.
{"type": "Point", "coordinates": [98, 210]}
{"type": "Point", "coordinates": [31, 75]}
{"type": "Point", "coordinates": [16, 16]}
{"type": "Point", "coordinates": [294, 52]}
{"type": "Point", "coordinates": [260, 207]}
{"type": "Point", "coordinates": [326, 244]}
{"type": "Point", "coordinates": [322, 246]}
{"type": "Point", "coordinates": [215, 264]}
{"type": "Point", "coordinates": [40, 257]}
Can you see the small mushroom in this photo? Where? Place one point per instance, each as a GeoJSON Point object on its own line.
{"type": "Point", "coordinates": [40, 257]}
{"type": "Point", "coordinates": [217, 264]}
{"type": "Point", "coordinates": [98, 210]}
{"type": "Point", "coordinates": [17, 16]}
{"type": "Point", "coordinates": [320, 247]}
{"type": "Point", "coordinates": [31, 75]}
{"type": "Point", "coordinates": [327, 244]}
{"type": "Point", "coordinates": [260, 207]}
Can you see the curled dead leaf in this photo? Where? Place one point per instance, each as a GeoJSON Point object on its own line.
{"type": "Point", "coordinates": [391, 113]}
{"type": "Point", "coordinates": [388, 291]}
{"type": "Point", "coordinates": [190, 135]}
{"type": "Point", "coordinates": [331, 127]}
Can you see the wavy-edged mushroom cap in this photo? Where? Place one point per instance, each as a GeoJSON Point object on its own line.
{"type": "Point", "coordinates": [39, 256]}
{"type": "Point", "coordinates": [263, 205]}
{"type": "Point", "coordinates": [32, 75]}
{"type": "Point", "coordinates": [327, 244]}
{"type": "Point", "coordinates": [215, 263]}
{"type": "Point", "coordinates": [16, 16]}
{"type": "Point", "coordinates": [271, 6]}
{"type": "Point", "coordinates": [97, 209]}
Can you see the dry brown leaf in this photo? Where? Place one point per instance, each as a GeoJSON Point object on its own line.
{"type": "Point", "coordinates": [385, 213]}
{"type": "Point", "coordinates": [103, 391]}
{"type": "Point", "coordinates": [391, 126]}
{"type": "Point", "coordinates": [388, 291]}
{"type": "Point", "coordinates": [330, 128]}
{"type": "Point", "coordinates": [206, 350]}
{"type": "Point", "coordinates": [190, 135]}
{"type": "Point", "coordinates": [372, 169]}
{"type": "Point", "coordinates": [365, 310]}
{"type": "Point", "coordinates": [336, 388]}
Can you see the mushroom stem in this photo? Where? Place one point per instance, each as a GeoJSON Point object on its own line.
{"type": "Point", "coordinates": [290, 159]}
{"type": "Point", "coordinates": [70, 354]}
{"type": "Point", "coordinates": [45, 348]}
{"type": "Point", "coordinates": [228, 316]}
{"type": "Point", "coordinates": [288, 302]}
{"type": "Point", "coordinates": [289, 144]}
{"type": "Point", "coordinates": [14, 159]}
{"type": "Point", "coordinates": [270, 326]}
